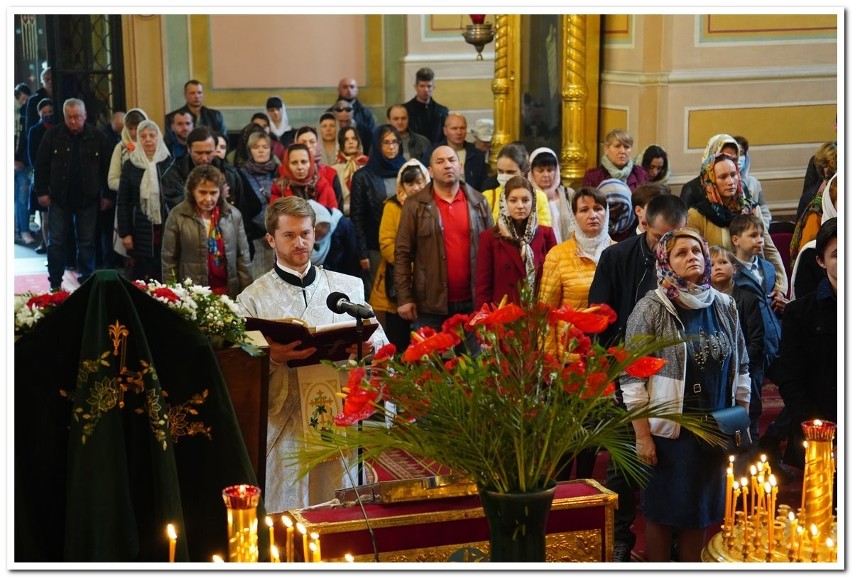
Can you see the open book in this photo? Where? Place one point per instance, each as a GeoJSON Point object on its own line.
{"type": "Point", "coordinates": [330, 340]}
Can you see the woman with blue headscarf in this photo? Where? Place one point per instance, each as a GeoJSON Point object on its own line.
{"type": "Point", "coordinates": [371, 187]}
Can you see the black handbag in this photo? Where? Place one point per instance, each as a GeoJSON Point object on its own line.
{"type": "Point", "coordinates": [733, 424]}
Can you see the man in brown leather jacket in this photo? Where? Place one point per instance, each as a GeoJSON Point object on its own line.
{"type": "Point", "coordinates": [436, 245]}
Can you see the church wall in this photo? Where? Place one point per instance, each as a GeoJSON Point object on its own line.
{"type": "Point", "coordinates": [676, 80]}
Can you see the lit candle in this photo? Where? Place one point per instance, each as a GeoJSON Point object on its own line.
{"type": "Point", "coordinates": [744, 485]}
{"type": "Point", "coordinates": [800, 542]}
{"type": "Point", "coordinates": [313, 549]}
{"type": "Point", "coordinates": [170, 530]}
{"type": "Point", "coordinates": [753, 488]}
{"type": "Point", "coordinates": [218, 559]}
{"type": "Point", "coordinates": [729, 483]}
{"type": "Point", "coordinates": [832, 553]}
{"type": "Point", "coordinates": [814, 543]}
{"type": "Point", "coordinates": [315, 539]}
{"type": "Point", "coordinates": [301, 529]}
{"type": "Point", "coordinates": [734, 504]}
{"type": "Point", "coordinates": [349, 558]}
{"type": "Point", "coordinates": [271, 525]}
{"type": "Point", "coordinates": [288, 548]}
{"type": "Point", "coordinates": [770, 520]}
{"type": "Point", "coordinates": [766, 464]}
{"type": "Point", "coordinates": [273, 554]}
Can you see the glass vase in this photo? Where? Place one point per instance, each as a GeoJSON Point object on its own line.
{"type": "Point", "coordinates": [517, 524]}
{"type": "Point", "coordinates": [242, 501]}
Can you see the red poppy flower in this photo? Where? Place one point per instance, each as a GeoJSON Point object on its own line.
{"type": "Point", "coordinates": [644, 367]}
{"type": "Point", "coordinates": [166, 293]}
{"type": "Point", "coordinates": [507, 314]}
{"type": "Point", "coordinates": [437, 343]}
{"type": "Point", "coordinates": [456, 321]}
{"type": "Point", "coordinates": [384, 353]}
{"type": "Point", "coordinates": [588, 322]}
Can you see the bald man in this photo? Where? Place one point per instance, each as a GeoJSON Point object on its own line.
{"type": "Point", "coordinates": [347, 89]}
{"type": "Point", "coordinates": [436, 245]}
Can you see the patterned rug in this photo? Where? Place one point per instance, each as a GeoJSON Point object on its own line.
{"type": "Point", "coordinates": [395, 465]}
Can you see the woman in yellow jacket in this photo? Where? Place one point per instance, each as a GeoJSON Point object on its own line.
{"type": "Point", "coordinates": [568, 272]}
{"type": "Point", "coordinates": [411, 179]}
{"type": "Point", "coordinates": [513, 160]}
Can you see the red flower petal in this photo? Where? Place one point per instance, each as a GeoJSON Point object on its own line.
{"type": "Point", "coordinates": [584, 321]}
{"type": "Point", "coordinates": [386, 352]}
{"type": "Point", "coordinates": [644, 367]}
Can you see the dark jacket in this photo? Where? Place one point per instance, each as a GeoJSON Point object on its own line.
{"type": "Point", "coordinates": [174, 181]}
{"type": "Point", "coordinates": [806, 368]}
{"type": "Point", "coordinates": [751, 322]}
{"type": "Point", "coordinates": [367, 202]}
{"type": "Point", "coordinates": [499, 267]}
{"type": "Point", "coordinates": [419, 147]}
{"type": "Point", "coordinates": [637, 177]}
{"type": "Point", "coordinates": [361, 114]}
{"type": "Point", "coordinates": [32, 107]}
{"type": "Point", "coordinates": [208, 117]}
{"type": "Point", "coordinates": [420, 269]}
{"type": "Point", "coordinates": [427, 119]}
{"type": "Point", "coordinates": [53, 165]}
{"type": "Point", "coordinates": [693, 192]}
{"type": "Point", "coordinates": [128, 212]}
{"type": "Point", "coordinates": [184, 253]}
{"type": "Point", "coordinates": [343, 254]}
{"type": "Point", "coordinates": [772, 328]}
{"type": "Point", "coordinates": [249, 203]}
{"type": "Point", "coordinates": [625, 272]}
{"type": "Point", "coordinates": [808, 273]}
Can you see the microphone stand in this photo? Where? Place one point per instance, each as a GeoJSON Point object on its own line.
{"type": "Point", "coordinates": [359, 334]}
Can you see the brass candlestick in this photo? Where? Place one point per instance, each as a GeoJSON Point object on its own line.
{"type": "Point", "coordinates": [242, 501]}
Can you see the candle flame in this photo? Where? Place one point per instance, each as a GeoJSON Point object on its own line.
{"type": "Point", "coordinates": [314, 535]}
{"type": "Point", "coordinates": [736, 486]}
{"type": "Point", "coordinates": [349, 558]}
{"type": "Point", "coordinates": [772, 480]}
{"type": "Point", "coordinates": [760, 466]}
{"type": "Point", "coordinates": [814, 530]}
{"type": "Point", "coordinates": [170, 530]}
{"type": "Point", "coordinates": [274, 550]}
{"type": "Point", "coordinates": [286, 520]}
{"type": "Point", "coordinates": [817, 423]}
{"type": "Point", "coordinates": [218, 559]}
{"type": "Point", "coordinates": [269, 522]}
{"type": "Point", "coordinates": [753, 470]}
{"type": "Point", "coordinates": [791, 516]}
{"type": "Point", "coordinates": [743, 482]}
{"type": "Point", "coordinates": [829, 542]}
{"type": "Point", "coordinates": [763, 458]}
{"type": "Point", "coordinates": [731, 459]}
{"type": "Point", "coordinates": [767, 487]}
{"type": "Point", "coordinates": [312, 546]}
{"type": "Point", "coordinates": [800, 529]}
{"type": "Point", "coordinates": [301, 529]}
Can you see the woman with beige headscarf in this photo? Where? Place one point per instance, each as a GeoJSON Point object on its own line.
{"type": "Point", "coordinates": [140, 210]}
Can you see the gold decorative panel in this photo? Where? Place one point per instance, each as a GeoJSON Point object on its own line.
{"type": "Point", "coordinates": [766, 27]}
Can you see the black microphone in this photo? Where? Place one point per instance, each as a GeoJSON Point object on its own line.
{"type": "Point", "coordinates": [339, 303]}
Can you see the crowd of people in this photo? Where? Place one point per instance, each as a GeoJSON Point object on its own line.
{"type": "Point", "coordinates": [408, 207]}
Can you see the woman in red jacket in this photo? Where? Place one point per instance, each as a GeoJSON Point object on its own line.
{"type": "Point", "coordinates": [512, 253]}
{"type": "Point", "coordinates": [298, 176]}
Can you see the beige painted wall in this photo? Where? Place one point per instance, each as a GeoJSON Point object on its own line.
{"type": "Point", "coordinates": [675, 80]}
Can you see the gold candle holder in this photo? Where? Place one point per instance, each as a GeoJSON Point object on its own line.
{"type": "Point", "coordinates": [242, 501]}
{"type": "Point", "coordinates": [818, 482]}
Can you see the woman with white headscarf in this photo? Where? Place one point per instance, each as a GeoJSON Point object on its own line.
{"type": "Point", "coordinates": [335, 246]}
{"type": "Point", "coordinates": [140, 209]}
{"type": "Point", "coordinates": [411, 179]}
{"type": "Point", "coordinates": [512, 252]}
{"type": "Point", "coordinates": [544, 174]}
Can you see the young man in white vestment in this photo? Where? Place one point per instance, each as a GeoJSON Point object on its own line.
{"type": "Point", "coordinates": [295, 288]}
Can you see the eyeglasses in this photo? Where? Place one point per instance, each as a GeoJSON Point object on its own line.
{"type": "Point", "coordinates": [342, 109]}
{"type": "Point", "coordinates": [390, 143]}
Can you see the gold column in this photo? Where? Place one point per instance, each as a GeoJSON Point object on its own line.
{"type": "Point", "coordinates": [505, 85]}
{"type": "Point", "coordinates": [574, 156]}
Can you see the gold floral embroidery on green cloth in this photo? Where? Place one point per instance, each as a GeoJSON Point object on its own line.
{"type": "Point", "coordinates": [112, 386]}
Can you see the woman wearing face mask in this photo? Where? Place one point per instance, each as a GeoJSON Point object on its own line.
{"type": "Point", "coordinates": [140, 209]}
{"type": "Point", "coordinates": [298, 176]}
{"type": "Point", "coordinates": [204, 239]}
{"type": "Point", "coordinates": [544, 174]}
{"type": "Point", "coordinates": [511, 254]}
{"type": "Point", "coordinates": [411, 179]}
{"type": "Point", "coordinates": [512, 160]}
